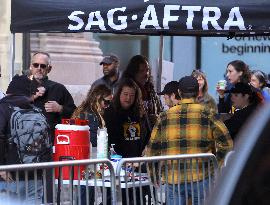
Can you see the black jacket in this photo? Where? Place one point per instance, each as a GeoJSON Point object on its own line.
{"type": "Point", "coordinates": [225, 104]}
{"type": "Point", "coordinates": [8, 156]}
{"type": "Point", "coordinates": [55, 92]}
{"type": "Point", "coordinates": [127, 131]}
{"type": "Point", "coordinates": [239, 118]}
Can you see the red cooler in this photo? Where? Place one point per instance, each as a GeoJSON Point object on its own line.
{"type": "Point", "coordinates": [71, 142]}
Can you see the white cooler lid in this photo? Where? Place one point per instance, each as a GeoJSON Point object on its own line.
{"type": "Point", "coordinates": [72, 127]}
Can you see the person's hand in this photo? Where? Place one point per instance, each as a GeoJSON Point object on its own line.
{"type": "Point", "coordinates": [224, 116]}
{"type": "Point", "coordinates": [220, 92]}
{"type": "Point", "coordinates": [156, 184]}
{"type": "Point", "coordinates": [144, 152]}
{"type": "Point", "coordinates": [133, 165]}
{"type": "Point", "coordinates": [6, 176]}
{"type": "Point", "coordinates": [53, 106]}
{"type": "Point", "coordinates": [153, 119]}
{"type": "Point", "coordinates": [41, 91]}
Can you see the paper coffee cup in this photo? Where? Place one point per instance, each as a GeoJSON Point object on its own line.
{"type": "Point", "coordinates": [222, 84]}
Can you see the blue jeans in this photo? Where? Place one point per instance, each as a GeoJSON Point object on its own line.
{"type": "Point", "coordinates": [8, 191]}
{"type": "Point", "coordinates": [175, 198]}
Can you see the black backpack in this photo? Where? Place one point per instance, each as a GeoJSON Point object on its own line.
{"type": "Point", "coordinates": [29, 132]}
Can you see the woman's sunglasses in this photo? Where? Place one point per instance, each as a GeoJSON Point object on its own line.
{"type": "Point", "coordinates": [42, 66]}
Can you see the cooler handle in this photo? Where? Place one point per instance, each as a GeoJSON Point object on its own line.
{"type": "Point", "coordinates": [65, 139]}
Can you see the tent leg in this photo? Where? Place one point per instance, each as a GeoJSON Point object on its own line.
{"type": "Point", "coordinates": [161, 43]}
{"type": "Point", "coordinates": [12, 56]}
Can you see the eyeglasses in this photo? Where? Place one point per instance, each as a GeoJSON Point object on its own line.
{"type": "Point", "coordinates": [42, 66]}
{"type": "Point", "coordinates": [106, 102]}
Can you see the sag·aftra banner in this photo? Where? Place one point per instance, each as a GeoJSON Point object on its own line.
{"type": "Point", "coordinates": [154, 17]}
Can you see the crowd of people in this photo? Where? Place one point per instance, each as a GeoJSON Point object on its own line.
{"type": "Point", "coordinates": [131, 110]}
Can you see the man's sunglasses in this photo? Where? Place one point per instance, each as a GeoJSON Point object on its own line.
{"type": "Point", "coordinates": [42, 66]}
{"type": "Point", "coordinates": [106, 102]}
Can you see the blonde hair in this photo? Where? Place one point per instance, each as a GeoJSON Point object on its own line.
{"type": "Point", "coordinates": [92, 103]}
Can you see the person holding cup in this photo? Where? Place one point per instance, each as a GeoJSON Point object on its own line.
{"type": "Point", "coordinates": [237, 71]}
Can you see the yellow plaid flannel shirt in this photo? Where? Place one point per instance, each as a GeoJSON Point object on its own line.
{"type": "Point", "coordinates": [188, 128]}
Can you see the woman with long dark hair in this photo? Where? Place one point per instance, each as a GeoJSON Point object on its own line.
{"type": "Point", "coordinates": [237, 71]}
{"type": "Point", "coordinates": [127, 126]}
{"type": "Point", "coordinates": [139, 71]}
{"type": "Point", "coordinates": [126, 120]}
{"type": "Point", "coordinates": [204, 97]}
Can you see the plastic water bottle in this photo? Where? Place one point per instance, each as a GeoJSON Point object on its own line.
{"type": "Point", "coordinates": [102, 143]}
{"type": "Point", "coordinates": [112, 151]}
{"type": "Point", "coordinates": [114, 157]}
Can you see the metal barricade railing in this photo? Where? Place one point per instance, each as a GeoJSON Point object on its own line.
{"type": "Point", "coordinates": [228, 157]}
{"type": "Point", "coordinates": [58, 183]}
{"type": "Point", "coordinates": [156, 180]}
{"type": "Point", "coordinates": [142, 180]}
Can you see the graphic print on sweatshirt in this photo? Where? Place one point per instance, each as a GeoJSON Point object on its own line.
{"type": "Point", "coordinates": [132, 131]}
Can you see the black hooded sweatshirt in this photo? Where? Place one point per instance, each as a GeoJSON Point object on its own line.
{"type": "Point", "coordinates": [6, 156]}
{"type": "Point", "coordinates": [127, 131]}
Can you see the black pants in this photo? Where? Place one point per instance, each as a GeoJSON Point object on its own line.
{"type": "Point", "coordinates": [49, 186]}
{"type": "Point", "coordinates": [91, 195]}
{"type": "Point", "coordinates": [145, 193]}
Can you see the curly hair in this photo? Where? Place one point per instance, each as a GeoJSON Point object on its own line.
{"type": "Point", "coordinates": [92, 101]}
{"type": "Point", "coordinates": [133, 66]}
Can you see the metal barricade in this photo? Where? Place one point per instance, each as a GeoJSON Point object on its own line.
{"type": "Point", "coordinates": [157, 180]}
{"type": "Point", "coordinates": [228, 157]}
{"type": "Point", "coordinates": [142, 180]}
{"type": "Point", "coordinates": [58, 183]}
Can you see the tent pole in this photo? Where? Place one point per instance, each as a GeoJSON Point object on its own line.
{"type": "Point", "coordinates": [12, 56]}
{"type": "Point", "coordinates": [161, 42]}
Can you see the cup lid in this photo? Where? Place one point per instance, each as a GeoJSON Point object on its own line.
{"type": "Point", "coordinates": [116, 156]}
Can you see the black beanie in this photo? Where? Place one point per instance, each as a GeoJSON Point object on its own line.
{"type": "Point", "coordinates": [20, 85]}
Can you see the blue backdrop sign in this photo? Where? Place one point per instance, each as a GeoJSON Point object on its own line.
{"type": "Point", "coordinates": [217, 52]}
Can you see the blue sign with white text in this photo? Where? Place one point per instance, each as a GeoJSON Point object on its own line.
{"type": "Point", "coordinates": [217, 52]}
